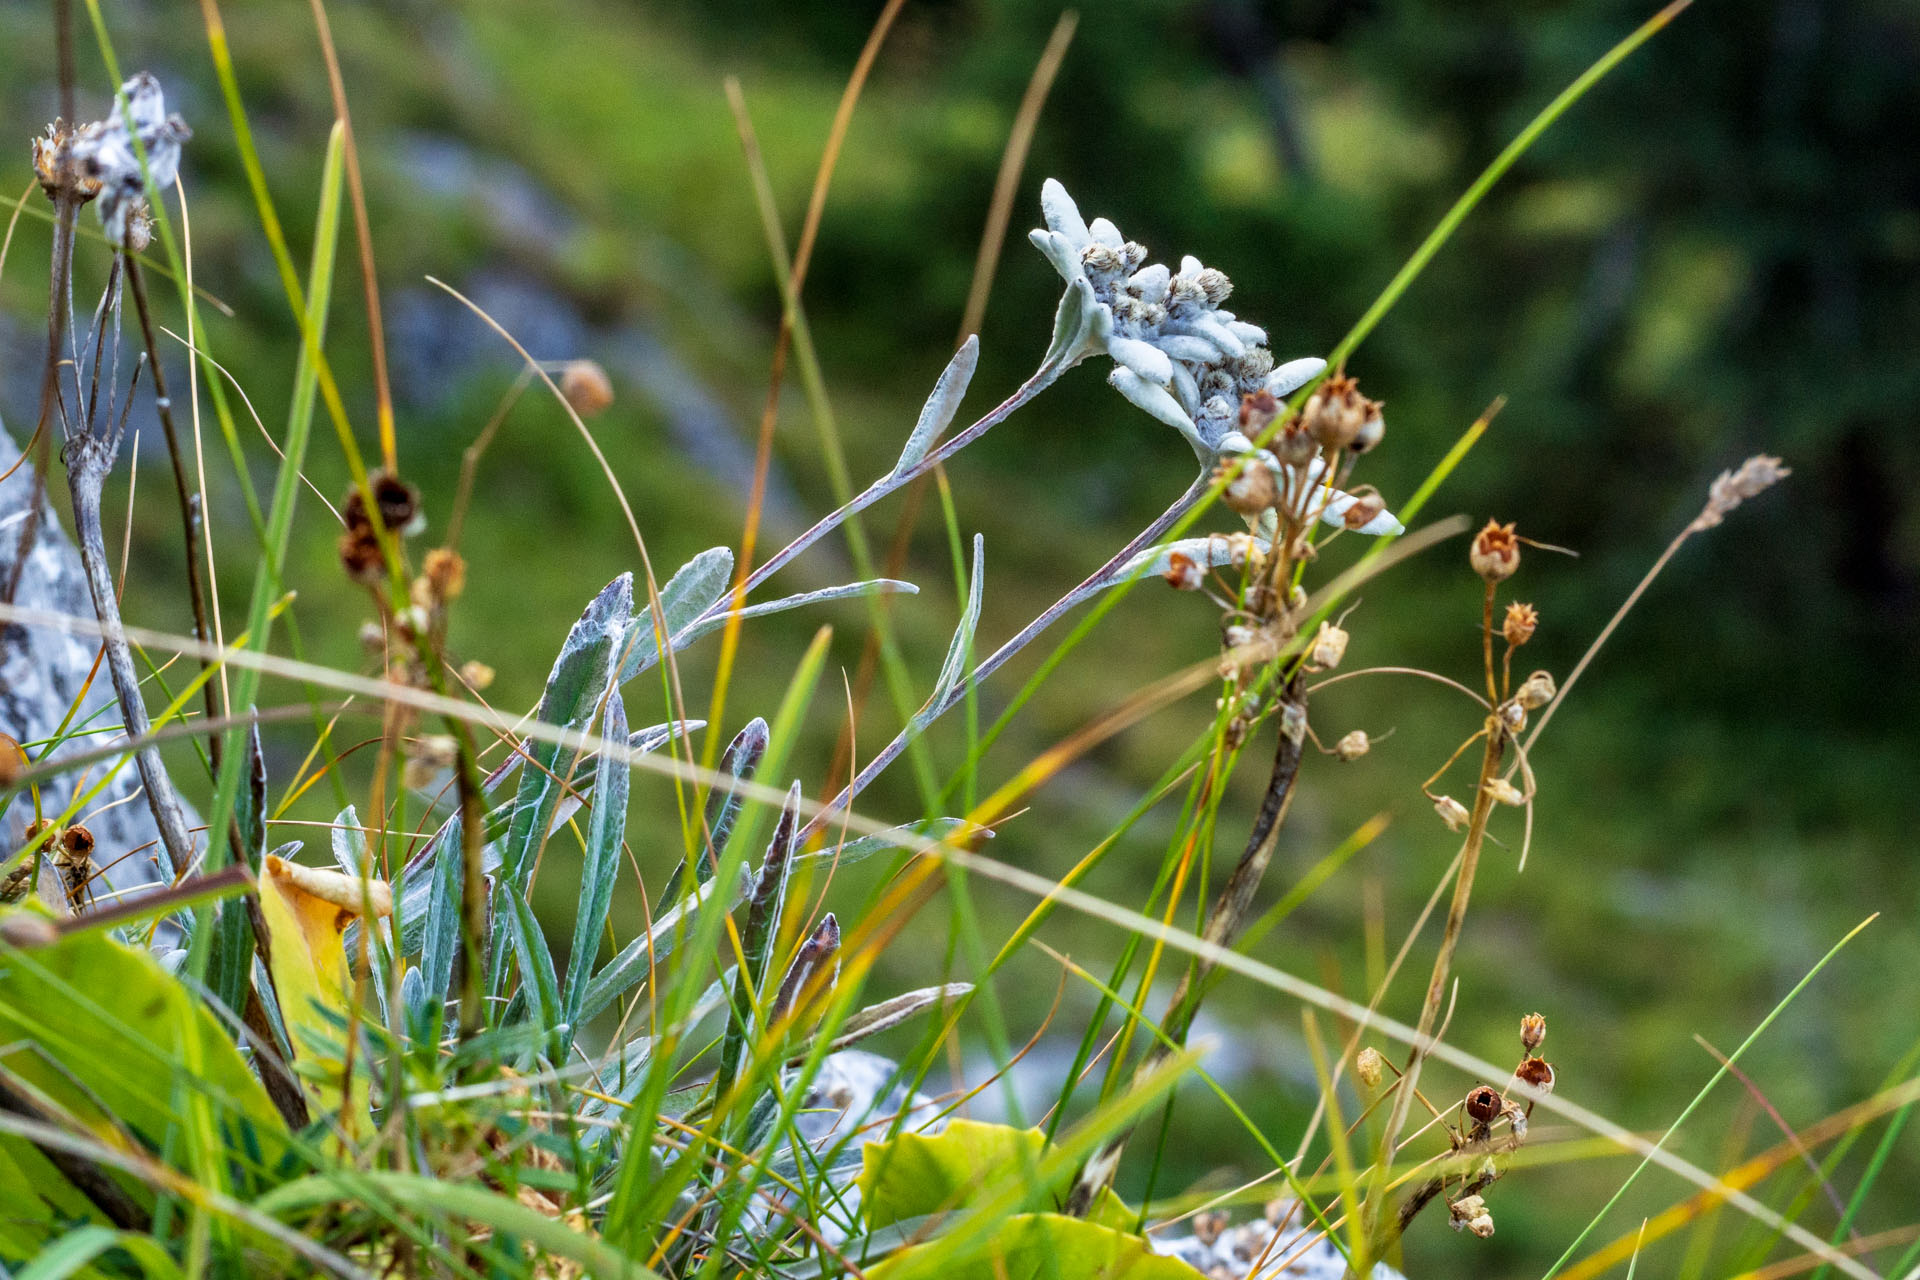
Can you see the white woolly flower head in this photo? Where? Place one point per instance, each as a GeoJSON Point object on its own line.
{"type": "Point", "coordinates": [105, 153]}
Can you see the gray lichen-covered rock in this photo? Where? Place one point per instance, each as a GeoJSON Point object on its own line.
{"type": "Point", "coordinates": [42, 671]}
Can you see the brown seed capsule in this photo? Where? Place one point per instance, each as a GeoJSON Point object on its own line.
{"type": "Point", "coordinates": [1484, 1104]}
{"type": "Point", "coordinates": [1353, 746]}
{"type": "Point", "coordinates": [1451, 812]}
{"type": "Point", "coordinates": [1372, 431]}
{"type": "Point", "coordinates": [1257, 412]}
{"type": "Point", "coordinates": [1533, 1029]}
{"type": "Point", "coordinates": [13, 761]}
{"type": "Point", "coordinates": [446, 572]}
{"type": "Point", "coordinates": [1250, 486]}
{"type": "Point", "coordinates": [1335, 412]}
{"type": "Point", "coordinates": [1184, 572]}
{"type": "Point", "coordinates": [1537, 1072]}
{"type": "Point", "coordinates": [1295, 447]}
{"type": "Point", "coordinates": [1536, 692]}
{"type": "Point", "coordinates": [360, 555]}
{"type": "Point", "coordinates": [1495, 553]}
{"type": "Point", "coordinates": [1521, 621]}
{"type": "Point", "coordinates": [586, 387]}
{"type": "Point", "coordinates": [76, 842]}
{"type": "Point", "coordinates": [1366, 1067]}
{"type": "Point", "coordinates": [1329, 646]}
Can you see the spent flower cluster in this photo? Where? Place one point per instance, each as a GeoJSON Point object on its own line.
{"type": "Point", "coordinates": [103, 158]}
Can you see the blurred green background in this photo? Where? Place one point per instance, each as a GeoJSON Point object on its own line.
{"type": "Point", "coordinates": [1713, 255]}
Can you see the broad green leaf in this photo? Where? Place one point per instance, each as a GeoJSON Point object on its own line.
{"type": "Point", "coordinates": [307, 912]}
{"type": "Point", "coordinates": [1037, 1246]}
{"type": "Point", "coordinates": [915, 1174]}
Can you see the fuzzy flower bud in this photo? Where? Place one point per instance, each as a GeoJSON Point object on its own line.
{"type": "Point", "coordinates": [1533, 1030]}
{"type": "Point", "coordinates": [586, 387]}
{"type": "Point", "coordinates": [1329, 646]}
{"type": "Point", "coordinates": [1495, 553]}
{"type": "Point", "coordinates": [1536, 692]}
{"type": "Point", "coordinates": [1366, 1067]}
{"type": "Point", "coordinates": [1521, 622]}
{"type": "Point", "coordinates": [1353, 746]}
{"type": "Point", "coordinates": [1451, 812]}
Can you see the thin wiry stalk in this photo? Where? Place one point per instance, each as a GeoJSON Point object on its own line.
{"type": "Point", "coordinates": [1223, 923]}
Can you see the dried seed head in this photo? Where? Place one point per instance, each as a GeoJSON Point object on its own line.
{"type": "Point", "coordinates": [1366, 1067]}
{"type": "Point", "coordinates": [1536, 692]}
{"type": "Point", "coordinates": [446, 573]}
{"type": "Point", "coordinates": [1495, 553]}
{"type": "Point", "coordinates": [76, 845]}
{"type": "Point", "coordinates": [1521, 621]}
{"type": "Point", "coordinates": [586, 387]}
{"type": "Point", "coordinates": [1469, 1213]}
{"type": "Point", "coordinates": [1251, 491]}
{"type": "Point", "coordinates": [1257, 412]}
{"type": "Point", "coordinates": [1329, 646]}
{"type": "Point", "coordinates": [1336, 411]}
{"type": "Point", "coordinates": [1505, 792]}
{"type": "Point", "coordinates": [33, 830]}
{"type": "Point", "coordinates": [1294, 446]}
{"type": "Point", "coordinates": [1353, 745]}
{"type": "Point", "coordinates": [1451, 812]}
{"type": "Point", "coordinates": [1372, 431]}
{"type": "Point", "coordinates": [1755, 476]}
{"type": "Point", "coordinates": [476, 674]}
{"type": "Point", "coordinates": [1184, 572]}
{"type": "Point", "coordinates": [360, 555]}
{"type": "Point", "coordinates": [1484, 1104]}
{"type": "Point", "coordinates": [17, 883]}
{"type": "Point", "coordinates": [1533, 1030]}
{"type": "Point", "coordinates": [13, 761]}
{"type": "Point", "coordinates": [1367, 506]}
{"type": "Point", "coordinates": [1537, 1072]}
{"type": "Point", "coordinates": [76, 184]}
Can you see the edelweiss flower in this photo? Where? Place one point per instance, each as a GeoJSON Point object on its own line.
{"type": "Point", "coordinates": [104, 152]}
{"type": "Point", "coordinates": [1177, 353]}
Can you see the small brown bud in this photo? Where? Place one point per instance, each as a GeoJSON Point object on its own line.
{"type": "Point", "coordinates": [399, 504]}
{"type": "Point", "coordinates": [1184, 572]}
{"type": "Point", "coordinates": [1536, 692]}
{"type": "Point", "coordinates": [1366, 1067]}
{"type": "Point", "coordinates": [446, 572]}
{"type": "Point", "coordinates": [1521, 621]}
{"type": "Point", "coordinates": [76, 844]}
{"type": "Point", "coordinates": [13, 761]}
{"type": "Point", "coordinates": [1533, 1030]}
{"type": "Point", "coordinates": [1537, 1072]}
{"type": "Point", "coordinates": [1353, 746]}
{"type": "Point", "coordinates": [1257, 412]}
{"type": "Point", "coordinates": [1335, 412]}
{"type": "Point", "coordinates": [1505, 792]}
{"type": "Point", "coordinates": [1484, 1104]}
{"type": "Point", "coordinates": [1295, 446]}
{"type": "Point", "coordinates": [1495, 553]}
{"type": "Point", "coordinates": [1252, 490]}
{"type": "Point", "coordinates": [36, 827]}
{"type": "Point", "coordinates": [1451, 812]}
{"type": "Point", "coordinates": [360, 555]}
{"type": "Point", "coordinates": [1329, 646]}
{"type": "Point", "coordinates": [586, 387]}
{"type": "Point", "coordinates": [1469, 1213]}
{"type": "Point", "coordinates": [1366, 506]}
{"type": "Point", "coordinates": [476, 674]}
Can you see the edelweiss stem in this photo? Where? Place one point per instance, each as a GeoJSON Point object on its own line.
{"type": "Point", "coordinates": [1223, 923]}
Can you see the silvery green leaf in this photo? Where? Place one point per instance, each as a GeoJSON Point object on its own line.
{"type": "Point", "coordinates": [937, 414]}
{"type": "Point", "coordinates": [1209, 326]}
{"type": "Point", "coordinates": [909, 836]}
{"type": "Point", "coordinates": [349, 843]}
{"type": "Point", "coordinates": [538, 984]}
{"type": "Point", "coordinates": [1182, 346]}
{"type": "Point", "coordinates": [847, 591]}
{"type": "Point", "coordinates": [1061, 213]}
{"type": "Point", "coordinates": [739, 761]}
{"type": "Point", "coordinates": [961, 647]}
{"type": "Point", "coordinates": [1062, 255]}
{"type": "Point", "coordinates": [1159, 402]}
{"type": "Point", "coordinates": [636, 959]}
{"type": "Point", "coordinates": [1102, 231]}
{"type": "Point", "coordinates": [1335, 511]}
{"type": "Point", "coordinates": [1072, 324]}
{"type": "Point", "coordinates": [1294, 374]}
{"type": "Point", "coordinates": [578, 684]}
{"type": "Point", "coordinates": [600, 866]}
{"type": "Point", "coordinates": [694, 588]}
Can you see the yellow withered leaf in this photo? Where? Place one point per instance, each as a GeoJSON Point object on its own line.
{"type": "Point", "coordinates": [307, 912]}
